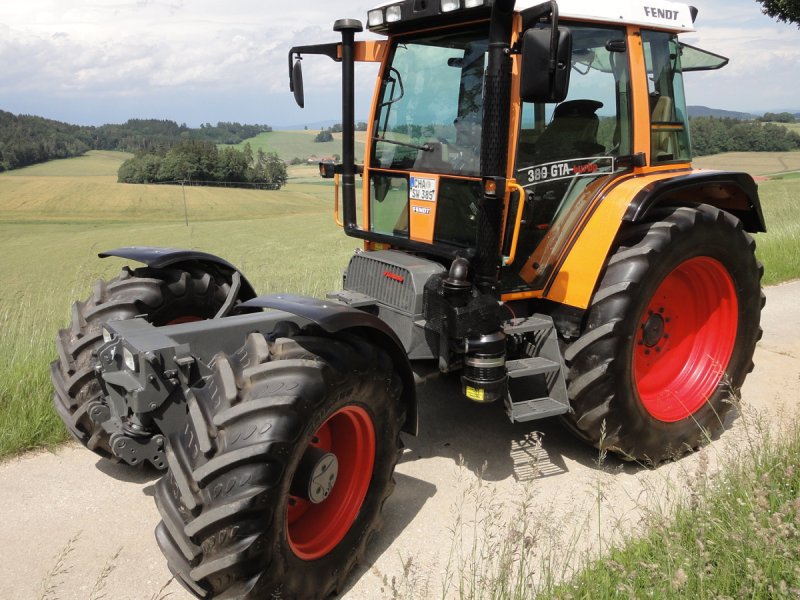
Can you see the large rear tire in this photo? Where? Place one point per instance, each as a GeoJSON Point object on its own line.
{"type": "Point", "coordinates": [162, 296]}
{"type": "Point", "coordinates": [249, 506]}
{"type": "Point", "coordinates": [669, 336]}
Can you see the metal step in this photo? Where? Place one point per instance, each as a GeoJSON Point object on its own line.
{"type": "Point", "coordinates": [537, 386]}
{"type": "Point", "coordinates": [525, 367]}
{"type": "Point", "coordinates": [530, 410]}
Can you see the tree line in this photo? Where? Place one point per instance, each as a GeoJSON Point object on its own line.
{"type": "Point", "coordinates": [711, 135]}
{"type": "Point", "coordinates": [201, 161]}
{"type": "Point", "coordinates": [27, 140]}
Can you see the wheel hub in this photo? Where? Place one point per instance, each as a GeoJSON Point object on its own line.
{"type": "Point", "coordinates": [316, 475]}
{"type": "Point", "coordinates": [653, 330]}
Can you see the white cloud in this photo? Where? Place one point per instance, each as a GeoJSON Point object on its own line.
{"type": "Point", "coordinates": [114, 49]}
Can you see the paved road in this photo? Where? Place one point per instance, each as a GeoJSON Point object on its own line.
{"type": "Point", "coordinates": [66, 514]}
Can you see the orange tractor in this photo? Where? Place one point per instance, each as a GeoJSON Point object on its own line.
{"type": "Point", "coordinates": [530, 220]}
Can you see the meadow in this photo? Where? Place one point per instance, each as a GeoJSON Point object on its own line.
{"type": "Point", "coordinates": [301, 144]}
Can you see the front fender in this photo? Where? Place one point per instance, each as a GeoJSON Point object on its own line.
{"type": "Point", "coordinates": [159, 258]}
{"type": "Point", "coordinates": [334, 317]}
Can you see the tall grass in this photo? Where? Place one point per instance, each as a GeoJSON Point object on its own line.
{"type": "Point", "coordinates": [736, 534]}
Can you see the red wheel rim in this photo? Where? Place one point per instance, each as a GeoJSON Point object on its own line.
{"type": "Point", "coordinates": [313, 530]}
{"type": "Point", "coordinates": [685, 339]}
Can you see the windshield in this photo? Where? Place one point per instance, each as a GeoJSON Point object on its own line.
{"type": "Point", "coordinates": [431, 105]}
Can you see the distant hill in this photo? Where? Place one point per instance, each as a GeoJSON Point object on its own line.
{"type": "Point", "coordinates": [28, 139]}
{"type": "Point", "coordinates": [705, 111]}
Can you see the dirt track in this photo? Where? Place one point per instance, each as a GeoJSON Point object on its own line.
{"type": "Point", "coordinates": [65, 514]}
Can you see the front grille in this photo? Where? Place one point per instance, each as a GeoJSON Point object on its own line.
{"type": "Point", "coordinates": [387, 283]}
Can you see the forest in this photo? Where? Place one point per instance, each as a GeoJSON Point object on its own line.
{"type": "Point", "coordinates": [712, 136]}
{"type": "Point", "coordinates": [27, 140]}
{"type": "Point", "coordinates": [196, 162]}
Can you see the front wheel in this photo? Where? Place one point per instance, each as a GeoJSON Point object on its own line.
{"type": "Point", "coordinates": [277, 483]}
{"type": "Point", "coordinates": [669, 336]}
{"type": "Point", "coordinates": [161, 296]}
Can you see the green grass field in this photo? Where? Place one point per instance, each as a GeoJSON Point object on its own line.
{"type": "Point", "coordinates": [755, 163]}
{"type": "Point", "coordinates": [56, 217]}
{"type": "Point", "coordinates": [301, 144]}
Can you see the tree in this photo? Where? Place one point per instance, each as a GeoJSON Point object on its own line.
{"type": "Point", "coordinates": [324, 136]}
{"type": "Point", "coordinates": [783, 10]}
{"type": "Point", "coordinates": [782, 117]}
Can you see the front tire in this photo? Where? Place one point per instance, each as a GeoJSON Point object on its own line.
{"type": "Point", "coordinates": [248, 506]}
{"type": "Point", "coordinates": [162, 296]}
{"type": "Point", "coordinates": [669, 336]}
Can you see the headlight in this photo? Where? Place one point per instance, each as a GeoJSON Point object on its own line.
{"type": "Point", "coordinates": [107, 337]}
{"type": "Point", "coordinates": [450, 5]}
{"type": "Point", "coordinates": [375, 17]}
{"type": "Point", "coordinates": [129, 359]}
{"type": "Point", "coordinates": [473, 3]}
{"type": "Point", "coordinates": [393, 14]}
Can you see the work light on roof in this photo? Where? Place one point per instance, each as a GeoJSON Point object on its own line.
{"type": "Point", "coordinates": [393, 13]}
{"type": "Point", "coordinates": [450, 5]}
{"type": "Point", "coordinates": [473, 3]}
{"type": "Point", "coordinates": [375, 17]}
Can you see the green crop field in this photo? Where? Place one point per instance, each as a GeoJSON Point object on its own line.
{"type": "Point", "coordinates": [301, 144]}
{"type": "Point", "coordinates": [56, 217]}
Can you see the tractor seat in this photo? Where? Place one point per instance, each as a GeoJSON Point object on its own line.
{"type": "Point", "coordinates": [572, 132]}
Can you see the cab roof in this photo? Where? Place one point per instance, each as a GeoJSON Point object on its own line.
{"type": "Point", "coordinates": [657, 14]}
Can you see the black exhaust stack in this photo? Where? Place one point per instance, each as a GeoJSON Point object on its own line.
{"type": "Point", "coordinates": [494, 147]}
{"type": "Point", "coordinates": [348, 29]}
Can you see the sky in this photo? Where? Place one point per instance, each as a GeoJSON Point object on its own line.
{"type": "Point", "coordinates": [91, 62]}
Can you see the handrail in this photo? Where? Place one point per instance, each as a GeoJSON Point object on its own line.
{"type": "Point", "coordinates": [511, 186]}
{"type": "Point", "coordinates": [336, 201]}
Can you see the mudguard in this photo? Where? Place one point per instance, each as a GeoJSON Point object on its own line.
{"type": "Point", "coordinates": [736, 193]}
{"type": "Point", "coordinates": [334, 317]}
{"type": "Point", "coordinates": [157, 258]}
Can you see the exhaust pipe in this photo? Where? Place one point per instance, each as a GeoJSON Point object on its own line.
{"type": "Point", "coordinates": [348, 29]}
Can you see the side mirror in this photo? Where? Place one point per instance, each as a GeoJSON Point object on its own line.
{"type": "Point", "coordinates": [546, 65]}
{"type": "Point", "coordinates": [297, 83]}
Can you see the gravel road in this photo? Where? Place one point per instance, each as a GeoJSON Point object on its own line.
{"type": "Point", "coordinates": [75, 527]}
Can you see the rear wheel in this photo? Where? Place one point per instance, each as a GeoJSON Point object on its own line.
{"type": "Point", "coordinates": [669, 336]}
{"type": "Point", "coordinates": [162, 296]}
{"type": "Point", "coordinates": [277, 483]}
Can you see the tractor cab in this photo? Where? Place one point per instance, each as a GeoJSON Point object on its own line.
{"type": "Point", "coordinates": [590, 96]}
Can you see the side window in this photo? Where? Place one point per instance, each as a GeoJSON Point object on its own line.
{"type": "Point", "coordinates": [669, 132]}
{"type": "Point", "coordinates": [594, 120]}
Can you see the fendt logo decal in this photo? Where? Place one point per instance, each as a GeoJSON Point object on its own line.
{"type": "Point", "coordinates": [661, 13]}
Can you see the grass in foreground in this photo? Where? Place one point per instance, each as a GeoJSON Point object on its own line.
{"type": "Point", "coordinates": [737, 536]}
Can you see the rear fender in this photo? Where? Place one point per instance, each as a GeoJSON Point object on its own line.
{"type": "Point", "coordinates": [159, 258]}
{"type": "Point", "coordinates": [334, 318]}
{"type": "Point", "coordinates": [633, 199]}
{"type": "Point", "coordinates": [736, 193]}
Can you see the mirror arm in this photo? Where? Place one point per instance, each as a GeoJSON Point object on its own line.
{"type": "Point", "coordinates": [330, 50]}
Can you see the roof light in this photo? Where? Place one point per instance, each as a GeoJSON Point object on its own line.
{"type": "Point", "coordinates": [375, 17]}
{"type": "Point", "coordinates": [450, 5]}
{"type": "Point", "coordinates": [393, 13]}
{"type": "Point", "coordinates": [473, 3]}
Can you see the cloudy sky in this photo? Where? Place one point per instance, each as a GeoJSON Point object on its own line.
{"type": "Point", "coordinates": [197, 61]}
